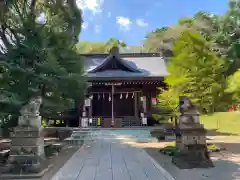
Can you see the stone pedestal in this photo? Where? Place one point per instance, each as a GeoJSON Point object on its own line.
{"type": "Point", "coordinates": [27, 155]}
{"type": "Point", "coordinates": [27, 151]}
{"type": "Point", "coordinates": [30, 120]}
{"type": "Point", "coordinates": [192, 147]}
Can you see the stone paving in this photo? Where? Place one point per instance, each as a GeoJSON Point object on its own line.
{"type": "Point", "coordinates": [111, 160]}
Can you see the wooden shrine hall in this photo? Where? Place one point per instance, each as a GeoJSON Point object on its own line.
{"type": "Point", "coordinates": [122, 88]}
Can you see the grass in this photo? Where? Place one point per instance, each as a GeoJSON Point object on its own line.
{"type": "Point", "coordinates": [224, 122]}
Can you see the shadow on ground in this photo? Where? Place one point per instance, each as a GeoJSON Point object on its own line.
{"type": "Point", "coordinates": [230, 147]}
{"type": "Point", "coordinates": [227, 167]}
{"type": "Point", "coordinates": [214, 132]}
{"type": "Point", "coordinates": [57, 161]}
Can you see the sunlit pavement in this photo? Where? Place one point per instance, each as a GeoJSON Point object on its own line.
{"type": "Point", "coordinates": [111, 159]}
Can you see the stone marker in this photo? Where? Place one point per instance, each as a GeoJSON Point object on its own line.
{"type": "Point", "coordinates": [190, 138]}
{"type": "Point", "coordinates": [27, 156]}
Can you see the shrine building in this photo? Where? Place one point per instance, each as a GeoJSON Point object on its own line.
{"type": "Point", "coordinates": [122, 88]}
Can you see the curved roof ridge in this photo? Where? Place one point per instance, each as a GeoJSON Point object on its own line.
{"type": "Point", "coordinates": [109, 58]}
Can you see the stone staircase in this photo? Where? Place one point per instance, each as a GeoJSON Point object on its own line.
{"type": "Point", "coordinates": [130, 122]}
{"type": "Point", "coordinates": [81, 136]}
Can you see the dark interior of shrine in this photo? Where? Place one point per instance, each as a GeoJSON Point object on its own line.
{"type": "Point", "coordinates": [123, 105]}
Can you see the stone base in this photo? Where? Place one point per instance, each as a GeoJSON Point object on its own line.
{"type": "Point", "coordinates": [25, 164]}
{"type": "Point", "coordinates": [25, 176]}
{"type": "Point", "coordinates": [189, 160]}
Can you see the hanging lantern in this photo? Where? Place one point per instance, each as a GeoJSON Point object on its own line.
{"type": "Point", "coordinates": [141, 98]}
{"type": "Point", "coordinates": [103, 96]}
{"type": "Point", "coordinates": [121, 96]}
{"type": "Point", "coordinates": [109, 98]}
{"type": "Point", "coordinates": [98, 96]}
{"type": "Point", "coordinates": [126, 95]}
{"type": "Point", "coordinates": [132, 95]}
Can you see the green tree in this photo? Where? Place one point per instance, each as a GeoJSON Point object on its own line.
{"type": "Point", "coordinates": [101, 47]}
{"type": "Point", "coordinates": [91, 47]}
{"type": "Point", "coordinates": [113, 42]}
{"type": "Point", "coordinates": [234, 86]}
{"type": "Point", "coordinates": [38, 55]}
{"type": "Point", "coordinates": [162, 39]}
{"type": "Point", "coordinates": [194, 71]}
{"type": "Point", "coordinates": [228, 36]}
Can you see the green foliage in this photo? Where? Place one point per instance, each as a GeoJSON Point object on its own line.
{"type": "Point", "coordinates": [162, 39]}
{"type": "Point", "coordinates": [228, 36]}
{"type": "Point", "coordinates": [39, 57]}
{"type": "Point", "coordinates": [103, 47]}
{"type": "Point", "coordinates": [186, 21]}
{"type": "Point", "coordinates": [44, 123]}
{"type": "Point", "coordinates": [91, 47]}
{"type": "Point", "coordinates": [234, 85]}
{"type": "Point", "coordinates": [194, 71]}
{"type": "Point", "coordinates": [113, 42]}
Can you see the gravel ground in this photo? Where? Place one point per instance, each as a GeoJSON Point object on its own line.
{"type": "Point", "coordinates": [227, 163]}
{"type": "Point", "coordinates": [227, 167]}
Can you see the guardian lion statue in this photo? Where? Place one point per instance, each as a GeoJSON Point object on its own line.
{"type": "Point", "coordinates": [33, 106]}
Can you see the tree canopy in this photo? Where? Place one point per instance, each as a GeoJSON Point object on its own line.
{"type": "Point", "coordinates": [195, 71]}
{"type": "Point", "coordinates": [38, 55]}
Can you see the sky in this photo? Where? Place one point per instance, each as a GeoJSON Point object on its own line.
{"type": "Point", "coordinates": [131, 20]}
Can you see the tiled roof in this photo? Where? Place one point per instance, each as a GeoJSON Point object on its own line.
{"type": "Point", "coordinates": [148, 65]}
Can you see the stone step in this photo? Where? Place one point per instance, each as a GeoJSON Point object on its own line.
{"type": "Point", "coordinates": [74, 141]}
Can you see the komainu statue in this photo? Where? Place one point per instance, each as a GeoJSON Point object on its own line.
{"type": "Point", "coordinates": [33, 106]}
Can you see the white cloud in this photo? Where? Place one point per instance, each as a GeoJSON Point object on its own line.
{"type": "Point", "coordinates": [109, 14]}
{"type": "Point", "coordinates": [95, 6]}
{"type": "Point", "coordinates": [85, 25]}
{"type": "Point", "coordinates": [124, 22]}
{"type": "Point", "coordinates": [97, 28]}
{"type": "Point", "coordinates": [141, 23]}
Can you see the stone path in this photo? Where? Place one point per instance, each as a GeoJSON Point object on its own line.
{"type": "Point", "coordinates": [111, 160]}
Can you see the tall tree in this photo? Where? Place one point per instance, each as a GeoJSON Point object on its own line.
{"type": "Point", "coordinates": [91, 47]}
{"type": "Point", "coordinates": [113, 42]}
{"type": "Point", "coordinates": [228, 36]}
{"type": "Point", "coordinates": [162, 39]}
{"type": "Point", "coordinates": [38, 55]}
{"type": "Point", "coordinates": [194, 71]}
{"type": "Point", "coordinates": [100, 47]}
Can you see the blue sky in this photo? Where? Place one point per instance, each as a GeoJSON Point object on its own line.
{"type": "Point", "coordinates": [131, 20]}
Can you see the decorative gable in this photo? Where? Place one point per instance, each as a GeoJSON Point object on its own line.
{"type": "Point", "coordinates": [114, 62]}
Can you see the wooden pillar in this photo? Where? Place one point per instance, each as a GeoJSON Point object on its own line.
{"type": "Point", "coordinates": [83, 119]}
{"type": "Point", "coordinates": [135, 105]}
{"type": "Point", "coordinates": [90, 113]}
{"type": "Point", "coordinates": [112, 123]}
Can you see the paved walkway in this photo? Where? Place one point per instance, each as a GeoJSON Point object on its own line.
{"type": "Point", "coordinates": [110, 160]}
